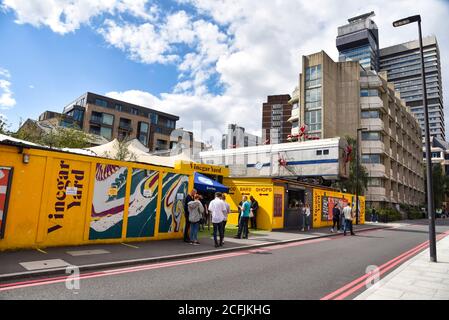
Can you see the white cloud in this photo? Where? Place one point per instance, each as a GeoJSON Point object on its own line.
{"type": "Point", "coordinates": [6, 95]}
{"type": "Point", "coordinates": [252, 49]}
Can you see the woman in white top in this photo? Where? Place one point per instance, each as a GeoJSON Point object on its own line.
{"type": "Point", "coordinates": [306, 217]}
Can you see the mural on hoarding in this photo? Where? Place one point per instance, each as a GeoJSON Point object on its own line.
{"type": "Point", "coordinates": [142, 203]}
{"type": "Point", "coordinates": [174, 191]}
{"type": "Point", "coordinates": [5, 186]}
{"type": "Point", "coordinates": [108, 202]}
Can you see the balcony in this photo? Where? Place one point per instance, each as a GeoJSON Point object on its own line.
{"type": "Point", "coordinates": [125, 127]}
{"type": "Point", "coordinates": [370, 82]}
{"type": "Point", "coordinates": [373, 124]}
{"type": "Point", "coordinates": [96, 120]}
{"type": "Point", "coordinates": [373, 147]}
{"type": "Point", "coordinates": [376, 194]}
{"type": "Point", "coordinates": [375, 170]}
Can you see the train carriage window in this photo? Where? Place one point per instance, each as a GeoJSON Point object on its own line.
{"type": "Point", "coordinates": [326, 152]}
{"type": "Point", "coordinates": [319, 152]}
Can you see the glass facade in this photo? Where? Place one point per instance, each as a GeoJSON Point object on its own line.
{"type": "Point", "coordinates": [313, 99]}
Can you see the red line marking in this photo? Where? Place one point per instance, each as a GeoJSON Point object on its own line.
{"type": "Point", "coordinates": [358, 283]}
{"type": "Point", "coordinates": [59, 279]}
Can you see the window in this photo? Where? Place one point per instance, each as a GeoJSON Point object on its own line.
{"type": "Point", "coordinates": [154, 118]}
{"type": "Point", "coordinates": [371, 158]}
{"type": "Point", "coordinates": [313, 76]}
{"type": "Point", "coordinates": [369, 93]}
{"type": "Point", "coordinates": [371, 136]}
{"type": "Point", "coordinates": [319, 152]}
{"type": "Point", "coordinates": [134, 111]}
{"type": "Point", "coordinates": [375, 182]}
{"type": "Point", "coordinates": [143, 133]}
{"type": "Point", "coordinates": [313, 98]}
{"type": "Point", "coordinates": [106, 132]}
{"type": "Point", "coordinates": [295, 124]}
{"type": "Point", "coordinates": [295, 106]}
{"type": "Point", "coordinates": [370, 114]}
{"type": "Point", "coordinates": [101, 103]}
{"type": "Point", "coordinates": [171, 124]}
{"type": "Point", "coordinates": [94, 130]}
{"type": "Point", "coordinates": [108, 119]}
{"type": "Point", "coordinates": [118, 107]}
{"type": "Point", "coordinates": [313, 120]}
{"type": "Point", "coordinates": [326, 152]}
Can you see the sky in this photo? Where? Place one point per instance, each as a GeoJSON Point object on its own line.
{"type": "Point", "coordinates": [211, 62]}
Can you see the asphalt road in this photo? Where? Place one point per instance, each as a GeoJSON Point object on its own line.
{"type": "Point", "coordinates": [307, 270]}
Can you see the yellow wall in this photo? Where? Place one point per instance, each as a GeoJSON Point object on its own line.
{"type": "Point", "coordinates": [318, 195]}
{"type": "Point", "coordinates": [41, 213]}
{"type": "Point", "coordinates": [262, 190]}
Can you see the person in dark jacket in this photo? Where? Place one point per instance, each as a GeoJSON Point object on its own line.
{"type": "Point", "coordinates": [254, 207]}
{"type": "Point", "coordinates": [336, 217]}
{"type": "Point", "coordinates": [190, 197]}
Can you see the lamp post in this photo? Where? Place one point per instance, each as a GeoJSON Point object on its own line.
{"type": "Point", "coordinates": [430, 203]}
{"type": "Point", "coordinates": [357, 164]}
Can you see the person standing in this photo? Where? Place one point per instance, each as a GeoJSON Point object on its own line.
{"type": "Point", "coordinates": [374, 217]}
{"type": "Point", "coordinates": [196, 210]}
{"type": "Point", "coordinates": [254, 208]}
{"type": "Point", "coordinates": [228, 211]}
{"type": "Point", "coordinates": [189, 198]}
{"type": "Point", "coordinates": [306, 217]}
{"type": "Point", "coordinates": [349, 215]}
{"type": "Point", "coordinates": [217, 209]}
{"type": "Point", "coordinates": [335, 217]}
{"type": "Point", "coordinates": [245, 208]}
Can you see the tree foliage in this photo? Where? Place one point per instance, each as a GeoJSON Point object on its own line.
{"type": "Point", "coordinates": [121, 151]}
{"type": "Point", "coordinates": [440, 185]}
{"type": "Point", "coordinates": [350, 184]}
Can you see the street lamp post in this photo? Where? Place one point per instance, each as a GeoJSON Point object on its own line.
{"type": "Point", "coordinates": [357, 164]}
{"type": "Point", "coordinates": [430, 203]}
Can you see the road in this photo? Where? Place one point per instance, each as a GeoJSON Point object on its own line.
{"type": "Point", "coordinates": [303, 270]}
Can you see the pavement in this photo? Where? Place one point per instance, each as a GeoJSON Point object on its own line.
{"type": "Point", "coordinates": [51, 261]}
{"type": "Point", "coordinates": [416, 279]}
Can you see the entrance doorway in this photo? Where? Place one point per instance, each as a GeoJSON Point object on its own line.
{"type": "Point", "coordinates": [294, 204]}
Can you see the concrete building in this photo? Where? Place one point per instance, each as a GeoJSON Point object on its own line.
{"type": "Point", "coordinates": [336, 98]}
{"type": "Point", "coordinates": [113, 118]}
{"type": "Point", "coordinates": [238, 138]}
{"type": "Point", "coordinates": [359, 41]}
{"type": "Point", "coordinates": [403, 65]}
{"type": "Point", "coordinates": [275, 114]}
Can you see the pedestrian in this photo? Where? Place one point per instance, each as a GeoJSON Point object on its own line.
{"type": "Point", "coordinates": [349, 215]}
{"type": "Point", "coordinates": [228, 211]}
{"type": "Point", "coordinates": [245, 208]}
{"type": "Point", "coordinates": [217, 209]}
{"type": "Point", "coordinates": [196, 211]}
{"type": "Point", "coordinates": [342, 218]}
{"type": "Point", "coordinates": [374, 217]}
{"type": "Point", "coordinates": [335, 217]}
{"type": "Point", "coordinates": [189, 197]}
{"type": "Point", "coordinates": [306, 217]}
{"type": "Point", "coordinates": [254, 207]}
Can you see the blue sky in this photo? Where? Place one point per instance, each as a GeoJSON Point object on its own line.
{"type": "Point", "coordinates": [212, 62]}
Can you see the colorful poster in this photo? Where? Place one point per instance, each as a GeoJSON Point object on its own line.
{"type": "Point", "coordinates": [142, 203]}
{"type": "Point", "coordinates": [108, 202]}
{"type": "Point", "coordinates": [328, 206]}
{"type": "Point", "coordinates": [5, 186]}
{"type": "Point", "coordinates": [174, 191]}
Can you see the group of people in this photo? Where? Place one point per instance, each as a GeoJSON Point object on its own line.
{"type": "Point", "coordinates": [342, 218]}
{"type": "Point", "coordinates": [197, 211]}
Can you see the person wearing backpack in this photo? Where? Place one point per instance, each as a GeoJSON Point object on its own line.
{"type": "Point", "coordinates": [196, 210]}
{"type": "Point", "coordinates": [335, 217]}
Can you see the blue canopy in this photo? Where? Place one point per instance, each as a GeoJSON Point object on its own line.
{"type": "Point", "coordinates": [205, 184]}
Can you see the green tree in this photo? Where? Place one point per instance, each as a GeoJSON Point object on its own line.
{"type": "Point", "coordinates": [440, 184]}
{"type": "Point", "coordinates": [350, 184]}
{"type": "Point", "coordinates": [4, 125]}
{"type": "Point", "coordinates": [121, 151]}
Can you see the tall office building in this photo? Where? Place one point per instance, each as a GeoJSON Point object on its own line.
{"type": "Point", "coordinates": [275, 114]}
{"type": "Point", "coordinates": [403, 65]}
{"type": "Point", "coordinates": [238, 138]}
{"type": "Point", "coordinates": [337, 98]}
{"type": "Point", "coordinates": [359, 41]}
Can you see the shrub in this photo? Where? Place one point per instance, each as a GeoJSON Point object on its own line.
{"type": "Point", "coordinates": [389, 214]}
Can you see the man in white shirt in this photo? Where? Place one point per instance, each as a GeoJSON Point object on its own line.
{"type": "Point", "coordinates": [218, 211]}
{"type": "Point", "coordinates": [348, 214]}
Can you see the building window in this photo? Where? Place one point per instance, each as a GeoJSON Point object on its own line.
{"type": "Point", "coordinates": [134, 111]}
{"type": "Point", "coordinates": [371, 136]}
{"type": "Point", "coordinates": [370, 114]}
{"type": "Point", "coordinates": [94, 130]}
{"type": "Point", "coordinates": [313, 98]}
{"type": "Point", "coordinates": [171, 124]}
{"type": "Point", "coordinates": [295, 106]}
{"type": "Point", "coordinates": [369, 93]}
{"type": "Point", "coordinates": [118, 107]}
{"type": "Point", "coordinates": [108, 119]}
{"type": "Point", "coordinates": [313, 76]}
{"type": "Point", "coordinates": [375, 182]}
{"type": "Point", "coordinates": [101, 103]}
{"type": "Point", "coordinates": [371, 158]}
{"type": "Point", "coordinates": [143, 133]}
{"type": "Point", "coordinates": [154, 118]}
{"type": "Point", "coordinates": [106, 132]}
{"type": "Point", "coordinates": [313, 120]}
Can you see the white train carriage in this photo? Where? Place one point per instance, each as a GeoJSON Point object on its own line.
{"type": "Point", "coordinates": [326, 158]}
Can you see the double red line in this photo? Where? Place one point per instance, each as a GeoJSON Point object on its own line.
{"type": "Point", "coordinates": [360, 282]}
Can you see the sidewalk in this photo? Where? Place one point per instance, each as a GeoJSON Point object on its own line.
{"type": "Point", "coordinates": [416, 279]}
{"type": "Point", "coordinates": [49, 261]}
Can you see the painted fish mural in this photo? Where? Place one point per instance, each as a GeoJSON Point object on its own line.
{"type": "Point", "coordinates": [108, 202]}
{"type": "Point", "coordinates": [142, 203]}
{"type": "Point", "coordinates": [174, 192]}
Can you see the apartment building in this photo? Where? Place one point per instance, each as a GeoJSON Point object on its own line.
{"type": "Point", "coordinates": [238, 138]}
{"type": "Point", "coordinates": [337, 98]}
{"type": "Point", "coordinates": [275, 114]}
{"type": "Point", "coordinates": [115, 119]}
